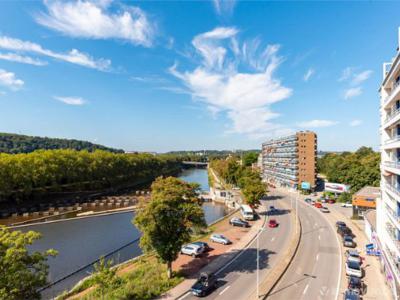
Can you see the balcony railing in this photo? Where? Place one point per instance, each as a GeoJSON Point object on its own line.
{"type": "Point", "coordinates": [394, 90]}
{"type": "Point", "coordinates": [392, 213]}
{"type": "Point", "coordinates": [393, 114]}
{"type": "Point", "coordinates": [392, 164]}
{"type": "Point", "coordinates": [393, 140]}
{"type": "Point", "coordinates": [393, 189]}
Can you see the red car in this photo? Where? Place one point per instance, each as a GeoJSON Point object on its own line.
{"type": "Point", "coordinates": [318, 204]}
{"type": "Point", "coordinates": [331, 201]}
{"type": "Point", "coordinates": [272, 223]}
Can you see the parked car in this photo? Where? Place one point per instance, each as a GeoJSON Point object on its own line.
{"type": "Point", "coordinates": [204, 285]}
{"type": "Point", "coordinates": [272, 223]}
{"type": "Point", "coordinates": [348, 241]}
{"type": "Point", "coordinates": [238, 222]}
{"type": "Point", "coordinates": [331, 201]}
{"type": "Point", "coordinates": [344, 230]}
{"type": "Point", "coordinates": [204, 245]}
{"type": "Point", "coordinates": [192, 250]}
{"type": "Point", "coordinates": [355, 284]}
{"type": "Point", "coordinates": [347, 204]}
{"type": "Point", "coordinates": [318, 204]}
{"type": "Point", "coordinates": [340, 224]}
{"type": "Point", "coordinates": [353, 269]}
{"type": "Point", "coordinates": [307, 200]}
{"type": "Point", "coordinates": [220, 239]}
{"type": "Point", "coordinates": [272, 210]}
{"type": "Point", "coordinates": [351, 295]}
{"type": "Point", "coordinates": [353, 255]}
{"type": "Point", "coordinates": [325, 209]}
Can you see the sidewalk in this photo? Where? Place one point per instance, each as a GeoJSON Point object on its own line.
{"type": "Point", "coordinates": [221, 255]}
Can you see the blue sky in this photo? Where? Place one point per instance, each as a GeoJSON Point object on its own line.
{"type": "Point", "coordinates": [160, 76]}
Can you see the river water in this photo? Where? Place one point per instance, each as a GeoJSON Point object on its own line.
{"type": "Point", "coordinates": [82, 241]}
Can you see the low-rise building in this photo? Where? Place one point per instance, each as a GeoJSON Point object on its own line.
{"type": "Point", "coordinates": [365, 199]}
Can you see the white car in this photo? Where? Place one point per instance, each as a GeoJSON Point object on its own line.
{"type": "Point", "coordinates": [219, 238]}
{"type": "Point", "coordinates": [347, 204]}
{"type": "Point", "coordinates": [192, 250]}
{"type": "Point", "coordinates": [353, 269]}
{"type": "Point", "coordinates": [353, 255]}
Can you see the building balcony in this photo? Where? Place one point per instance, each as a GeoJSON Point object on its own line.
{"type": "Point", "coordinates": [392, 142]}
{"type": "Point", "coordinates": [392, 166]}
{"type": "Point", "coordinates": [394, 92]}
{"type": "Point", "coordinates": [392, 118]}
{"type": "Point", "coordinates": [393, 260]}
{"type": "Point", "coordinates": [393, 189]}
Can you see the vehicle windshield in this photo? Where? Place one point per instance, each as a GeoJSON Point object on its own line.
{"type": "Point", "coordinates": [348, 238]}
{"type": "Point", "coordinates": [353, 265]}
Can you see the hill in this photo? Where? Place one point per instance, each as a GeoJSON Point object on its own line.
{"type": "Point", "coordinates": [16, 143]}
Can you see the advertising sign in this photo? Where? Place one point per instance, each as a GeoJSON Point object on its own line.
{"type": "Point", "coordinates": [305, 185]}
{"type": "Point", "coordinates": [336, 187]}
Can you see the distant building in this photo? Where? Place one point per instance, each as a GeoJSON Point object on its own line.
{"type": "Point", "coordinates": [290, 161]}
{"type": "Point", "coordinates": [365, 199]}
{"type": "Point", "coordinates": [388, 206]}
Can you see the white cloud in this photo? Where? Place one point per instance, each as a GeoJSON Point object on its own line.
{"type": "Point", "coordinates": [245, 97]}
{"type": "Point", "coordinates": [224, 7]}
{"type": "Point", "coordinates": [349, 74]}
{"type": "Point", "coordinates": [352, 92]}
{"type": "Point", "coordinates": [71, 100]}
{"type": "Point", "coordinates": [317, 123]}
{"type": "Point", "coordinates": [9, 80]}
{"type": "Point", "coordinates": [73, 56]}
{"type": "Point", "coordinates": [94, 20]}
{"type": "Point", "coordinates": [310, 72]}
{"type": "Point", "coordinates": [355, 123]}
{"type": "Point", "coordinates": [22, 59]}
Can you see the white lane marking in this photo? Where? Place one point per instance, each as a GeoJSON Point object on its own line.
{"type": "Point", "coordinates": [224, 290]}
{"type": "Point", "coordinates": [305, 290]}
{"type": "Point", "coordinates": [184, 296]}
{"type": "Point", "coordinates": [317, 257]}
{"type": "Point", "coordinates": [319, 237]}
{"type": "Point", "coordinates": [273, 239]}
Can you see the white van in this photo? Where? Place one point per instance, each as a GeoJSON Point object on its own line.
{"type": "Point", "coordinates": [247, 212]}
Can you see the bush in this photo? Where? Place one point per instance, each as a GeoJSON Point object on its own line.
{"type": "Point", "coordinates": [344, 197]}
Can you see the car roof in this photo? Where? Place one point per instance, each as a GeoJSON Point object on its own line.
{"type": "Point", "coordinates": [193, 245]}
{"type": "Point", "coordinates": [353, 264]}
{"type": "Point", "coordinates": [353, 252]}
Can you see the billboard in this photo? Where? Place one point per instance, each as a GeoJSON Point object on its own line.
{"type": "Point", "coordinates": [336, 187]}
{"type": "Point", "coordinates": [305, 185]}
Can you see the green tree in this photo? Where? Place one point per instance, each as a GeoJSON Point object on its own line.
{"type": "Point", "coordinates": [21, 273]}
{"type": "Point", "coordinates": [249, 158]}
{"type": "Point", "coordinates": [169, 218]}
{"type": "Point", "coordinates": [105, 277]}
{"type": "Point", "coordinates": [344, 197]}
{"type": "Point", "coordinates": [253, 190]}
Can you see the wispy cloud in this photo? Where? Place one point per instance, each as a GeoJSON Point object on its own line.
{"type": "Point", "coordinates": [71, 100]}
{"type": "Point", "coordinates": [310, 72]}
{"type": "Point", "coordinates": [246, 97]}
{"type": "Point", "coordinates": [355, 123]}
{"type": "Point", "coordinates": [224, 7]}
{"type": "Point", "coordinates": [97, 20]}
{"type": "Point", "coordinates": [352, 92]}
{"type": "Point", "coordinates": [9, 79]}
{"type": "Point", "coordinates": [361, 77]}
{"type": "Point", "coordinates": [317, 123]}
{"type": "Point", "coordinates": [73, 56]}
{"type": "Point", "coordinates": [22, 59]}
{"type": "Point", "coordinates": [350, 75]}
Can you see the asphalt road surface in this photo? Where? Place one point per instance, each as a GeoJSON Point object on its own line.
{"type": "Point", "coordinates": [238, 279]}
{"type": "Point", "coordinates": [315, 271]}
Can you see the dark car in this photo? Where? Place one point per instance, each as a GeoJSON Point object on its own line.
{"type": "Point", "coordinates": [355, 284]}
{"type": "Point", "coordinates": [204, 245]}
{"type": "Point", "coordinates": [348, 241]}
{"type": "Point", "coordinates": [308, 200]}
{"type": "Point", "coordinates": [204, 285]}
{"type": "Point", "coordinates": [340, 224]}
{"type": "Point", "coordinates": [351, 295]}
{"type": "Point", "coordinates": [238, 222]}
{"type": "Point", "coordinates": [344, 230]}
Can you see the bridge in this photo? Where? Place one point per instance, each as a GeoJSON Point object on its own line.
{"type": "Point", "coordinates": [195, 163]}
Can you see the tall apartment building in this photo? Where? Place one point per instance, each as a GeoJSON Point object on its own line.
{"type": "Point", "coordinates": [290, 161]}
{"type": "Point", "coordinates": [388, 206]}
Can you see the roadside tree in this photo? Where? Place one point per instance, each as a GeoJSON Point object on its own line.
{"type": "Point", "coordinates": [169, 218]}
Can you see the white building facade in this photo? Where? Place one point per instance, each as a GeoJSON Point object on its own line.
{"type": "Point", "coordinates": [388, 207]}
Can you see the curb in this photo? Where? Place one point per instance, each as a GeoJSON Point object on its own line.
{"type": "Point", "coordinates": [281, 268]}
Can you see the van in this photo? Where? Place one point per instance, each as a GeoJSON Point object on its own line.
{"type": "Point", "coordinates": [247, 212]}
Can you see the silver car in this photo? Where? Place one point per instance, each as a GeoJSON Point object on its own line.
{"type": "Point", "coordinates": [220, 239]}
{"type": "Point", "coordinates": [192, 250]}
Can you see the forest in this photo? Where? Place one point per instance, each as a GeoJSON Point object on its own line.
{"type": "Point", "coordinates": [16, 143]}
{"type": "Point", "coordinates": [24, 177]}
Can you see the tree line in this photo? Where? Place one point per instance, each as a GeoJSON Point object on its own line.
{"type": "Point", "coordinates": [24, 176]}
{"type": "Point", "coordinates": [241, 175]}
{"type": "Point", "coordinates": [356, 169]}
{"type": "Point", "coordinates": [16, 143]}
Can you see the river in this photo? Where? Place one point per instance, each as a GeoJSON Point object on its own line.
{"type": "Point", "coordinates": [81, 241]}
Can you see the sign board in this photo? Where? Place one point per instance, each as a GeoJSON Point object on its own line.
{"type": "Point", "coordinates": [305, 185]}
{"type": "Point", "coordinates": [336, 187]}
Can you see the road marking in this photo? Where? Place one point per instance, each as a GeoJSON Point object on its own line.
{"type": "Point", "coordinates": [319, 236]}
{"type": "Point", "coordinates": [224, 290]}
{"type": "Point", "coordinates": [184, 296]}
{"type": "Point", "coordinates": [316, 258]}
{"type": "Point", "coordinates": [305, 290]}
{"type": "Point", "coordinates": [273, 239]}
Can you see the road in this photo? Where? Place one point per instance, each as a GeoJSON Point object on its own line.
{"type": "Point", "coordinates": [238, 280]}
{"type": "Point", "coordinates": [315, 271]}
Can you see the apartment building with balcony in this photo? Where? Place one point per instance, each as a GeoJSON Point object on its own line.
{"type": "Point", "coordinates": [289, 161]}
{"type": "Point", "coordinates": [388, 206]}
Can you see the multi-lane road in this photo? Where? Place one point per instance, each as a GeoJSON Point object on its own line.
{"type": "Point", "coordinates": [315, 271]}
{"type": "Point", "coordinates": [238, 279]}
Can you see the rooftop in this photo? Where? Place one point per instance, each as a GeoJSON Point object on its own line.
{"type": "Point", "coordinates": [369, 191]}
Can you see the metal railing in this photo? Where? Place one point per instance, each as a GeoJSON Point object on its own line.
{"type": "Point", "coordinates": [393, 189]}
{"type": "Point", "coordinates": [392, 164]}
{"type": "Point", "coordinates": [393, 140]}
{"type": "Point", "coordinates": [394, 90]}
{"type": "Point", "coordinates": [392, 114]}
